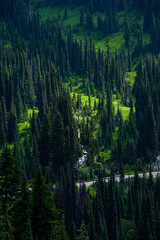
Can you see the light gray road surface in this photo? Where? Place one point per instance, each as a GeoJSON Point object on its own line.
{"type": "Point", "coordinates": [117, 178]}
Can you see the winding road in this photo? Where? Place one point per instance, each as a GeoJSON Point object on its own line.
{"type": "Point", "coordinates": [117, 178]}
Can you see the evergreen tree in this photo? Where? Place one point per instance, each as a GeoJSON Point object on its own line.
{"type": "Point", "coordinates": [72, 231]}
{"type": "Point", "coordinates": [21, 213]}
{"type": "Point", "coordinates": [89, 21]}
{"type": "Point", "coordinates": [65, 13]}
{"type": "Point", "coordinates": [44, 141]}
{"type": "Point", "coordinates": [127, 33]}
{"type": "Point", "coordinates": [82, 233]}
{"type": "Point", "coordinates": [43, 209]}
{"type": "Point", "coordinates": [61, 233]}
{"type": "Point", "coordinates": [27, 235]}
{"type": "Point", "coordinates": [81, 17]}
{"type": "Point", "coordinates": [91, 228]}
{"type": "Point", "coordinates": [10, 180]}
{"type": "Point", "coordinates": [58, 142]}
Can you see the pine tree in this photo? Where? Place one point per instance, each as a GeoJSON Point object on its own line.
{"type": "Point", "coordinates": [35, 156]}
{"type": "Point", "coordinates": [82, 233]}
{"type": "Point", "coordinates": [43, 209]}
{"type": "Point", "coordinates": [21, 213]}
{"type": "Point", "coordinates": [81, 17]}
{"type": "Point", "coordinates": [12, 124]}
{"type": "Point", "coordinates": [72, 231]}
{"type": "Point", "coordinates": [65, 13]}
{"type": "Point", "coordinates": [44, 141]}
{"type": "Point", "coordinates": [6, 227]}
{"type": "Point", "coordinates": [127, 33]}
{"type": "Point", "coordinates": [58, 142]}
{"type": "Point", "coordinates": [61, 233]}
{"type": "Point", "coordinates": [10, 179]}
{"type": "Point", "coordinates": [89, 21]}
{"type": "Point", "coordinates": [27, 235]}
{"type": "Point", "coordinates": [91, 228]}
{"type": "Point", "coordinates": [112, 221]}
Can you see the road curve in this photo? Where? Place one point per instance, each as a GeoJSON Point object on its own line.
{"type": "Point", "coordinates": [117, 178]}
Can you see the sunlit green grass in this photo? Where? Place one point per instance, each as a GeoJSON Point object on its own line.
{"type": "Point", "coordinates": [23, 128]}
{"type": "Point", "coordinates": [115, 135]}
{"type": "Point", "coordinates": [8, 45]}
{"type": "Point", "coordinates": [130, 77]}
{"type": "Point", "coordinates": [79, 90]}
{"type": "Point", "coordinates": [105, 155]}
{"type": "Point", "coordinates": [124, 110]}
{"type": "Point", "coordinates": [92, 191]}
{"type": "Point", "coordinates": [30, 112]}
{"type": "Point", "coordinates": [115, 40]}
{"type": "Point", "coordinates": [48, 12]}
{"type": "Point", "coordinates": [57, 12]}
{"type": "Point", "coordinates": [85, 99]}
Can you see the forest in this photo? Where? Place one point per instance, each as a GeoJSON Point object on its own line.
{"type": "Point", "coordinates": [79, 102]}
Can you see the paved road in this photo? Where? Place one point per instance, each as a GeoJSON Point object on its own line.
{"type": "Point", "coordinates": [117, 178]}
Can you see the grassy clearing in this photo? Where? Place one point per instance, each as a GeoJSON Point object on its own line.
{"type": "Point", "coordinates": [124, 110]}
{"type": "Point", "coordinates": [115, 40]}
{"type": "Point", "coordinates": [30, 112]}
{"type": "Point", "coordinates": [78, 89]}
{"type": "Point", "coordinates": [85, 99]}
{"type": "Point", "coordinates": [92, 191]}
{"type": "Point", "coordinates": [79, 114]}
{"type": "Point", "coordinates": [23, 128]}
{"type": "Point", "coordinates": [73, 14]}
{"type": "Point", "coordinates": [115, 134]}
{"type": "Point", "coordinates": [48, 12]}
{"type": "Point", "coordinates": [8, 45]}
{"type": "Point", "coordinates": [130, 78]}
{"type": "Point", "coordinates": [129, 170]}
{"type": "Point", "coordinates": [105, 156]}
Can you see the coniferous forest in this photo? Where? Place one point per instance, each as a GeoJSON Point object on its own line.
{"type": "Point", "coordinates": [79, 119]}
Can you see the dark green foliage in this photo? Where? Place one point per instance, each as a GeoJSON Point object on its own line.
{"type": "Point", "coordinates": [44, 141]}
{"type": "Point", "coordinates": [89, 21]}
{"type": "Point", "coordinates": [10, 179]}
{"type": "Point", "coordinates": [38, 61]}
{"type": "Point", "coordinates": [72, 231]}
{"type": "Point", "coordinates": [147, 141]}
{"type": "Point", "coordinates": [27, 235]}
{"type": "Point", "coordinates": [43, 210]}
{"type": "Point", "coordinates": [127, 33]}
{"type": "Point", "coordinates": [91, 228]}
{"type": "Point", "coordinates": [81, 17]}
{"type": "Point", "coordinates": [60, 232]}
{"type": "Point", "coordinates": [22, 213]}
{"type": "Point", "coordinates": [65, 13]}
{"type": "Point", "coordinates": [58, 142]}
{"type": "Point", "coordinates": [82, 233]}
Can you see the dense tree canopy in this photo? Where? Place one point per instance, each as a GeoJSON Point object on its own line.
{"type": "Point", "coordinates": [79, 107]}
